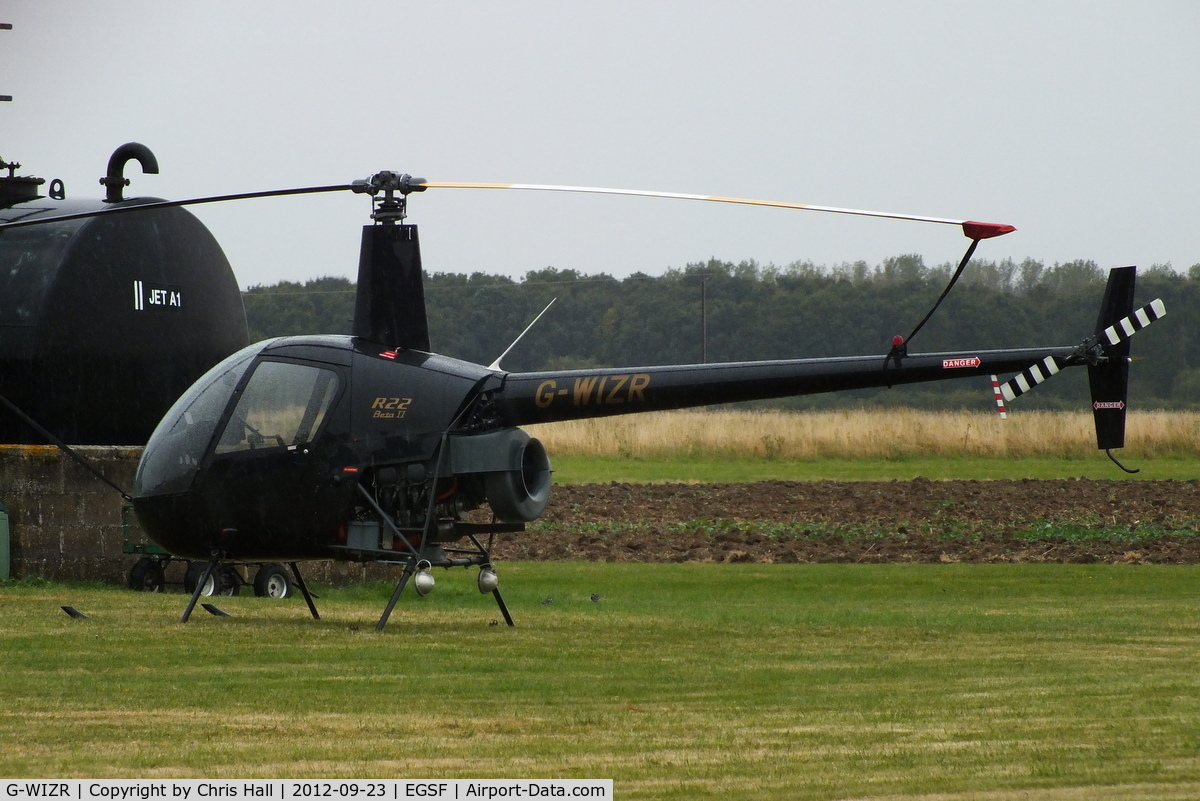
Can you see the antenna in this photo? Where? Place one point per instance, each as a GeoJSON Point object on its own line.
{"type": "Point", "coordinates": [19, 189]}
{"type": "Point", "coordinates": [5, 26]}
{"type": "Point", "coordinates": [496, 364]}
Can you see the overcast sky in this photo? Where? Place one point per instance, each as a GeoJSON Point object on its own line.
{"type": "Point", "coordinates": [1077, 122]}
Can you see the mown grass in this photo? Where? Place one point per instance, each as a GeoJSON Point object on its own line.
{"type": "Point", "coordinates": [682, 681]}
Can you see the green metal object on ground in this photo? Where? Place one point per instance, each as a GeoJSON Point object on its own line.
{"type": "Point", "coordinates": [138, 545]}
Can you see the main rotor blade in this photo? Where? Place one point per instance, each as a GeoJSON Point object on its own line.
{"type": "Point", "coordinates": [972, 229]}
{"type": "Point", "coordinates": [166, 204]}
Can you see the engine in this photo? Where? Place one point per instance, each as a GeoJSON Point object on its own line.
{"type": "Point", "coordinates": [506, 469]}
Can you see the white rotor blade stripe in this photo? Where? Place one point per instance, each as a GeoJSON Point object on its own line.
{"type": "Point", "coordinates": [1128, 326]}
{"type": "Point", "coordinates": [1026, 380]}
{"type": "Point", "coordinates": [682, 196]}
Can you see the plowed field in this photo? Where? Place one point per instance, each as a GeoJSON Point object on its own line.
{"type": "Point", "coordinates": [898, 521]}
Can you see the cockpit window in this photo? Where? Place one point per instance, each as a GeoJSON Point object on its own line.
{"type": "Point", "coordinates": [176, 447]}
{"type": "Point", "coordinates": [282, 405]}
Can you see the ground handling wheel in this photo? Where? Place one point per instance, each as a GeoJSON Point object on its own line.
{"type": "Point", "coordinates": [223, 581]}
{"type": "Point", "coordinates": [147, 576]}
{"type": "Point", "coordinates": [272, 582]}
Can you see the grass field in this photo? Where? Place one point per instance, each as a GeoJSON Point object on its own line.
{"type": "Point", "coordinates": [888, 434]}
{"type": "Point", "coordinates": [683, 681]}
{"type": "Point", "coordinates": [724, 681]}
{"type": "Point", "coordinates": [868, 444]}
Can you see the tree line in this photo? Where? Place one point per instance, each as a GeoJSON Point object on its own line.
{"type": "Point", "coordinates": [719, 311]}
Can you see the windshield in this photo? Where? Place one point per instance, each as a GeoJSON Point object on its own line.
{"type": "Point", "coordinates": [177, 445]}
{"type": "Point", "coordinates": [282, 406]}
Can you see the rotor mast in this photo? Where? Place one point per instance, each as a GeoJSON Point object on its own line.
{"type": "Point", "coordinates": [389, 307]}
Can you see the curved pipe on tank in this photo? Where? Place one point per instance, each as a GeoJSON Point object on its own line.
{"type": "Point", "coordinates": [116, 180]}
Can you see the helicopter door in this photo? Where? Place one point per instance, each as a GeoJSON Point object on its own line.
{"type": "Point", "coordinates": [271, 462]}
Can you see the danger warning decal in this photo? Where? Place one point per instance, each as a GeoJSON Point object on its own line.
{"type": "Point", "coordinates": [1108, 405]}
{"type": "Point", "coordinates": [951, 364]}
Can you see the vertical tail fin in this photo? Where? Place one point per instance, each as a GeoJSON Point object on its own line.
{"type": "Point", "coordinates": [1109, 378]}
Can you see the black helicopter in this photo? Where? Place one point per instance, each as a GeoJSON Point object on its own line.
{"type": "Point", "coordinates": [369, 447]}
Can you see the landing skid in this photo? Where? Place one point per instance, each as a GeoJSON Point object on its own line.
{"type": "Point", "coordinates": [211, 568]}
{"type": "Point", "coordinates": [304, 590]}
{"type": "Point", "coordinates": [427, 550]}
{"type": "Point", "coordinates": [503, 608]}
{"type": "Point", "coordinates": [196, 593]}
{"type": "Point", "coordinates": [410, 567]}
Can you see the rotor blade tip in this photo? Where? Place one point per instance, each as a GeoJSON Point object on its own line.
{"type": "Point", "coordinates": [982, 230]}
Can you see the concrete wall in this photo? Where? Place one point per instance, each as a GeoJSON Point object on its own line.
{"type": "Point", "coordinates": [66, 524]}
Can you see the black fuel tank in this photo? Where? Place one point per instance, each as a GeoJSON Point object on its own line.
{"type": "Point", "coordinates": [105, 321]}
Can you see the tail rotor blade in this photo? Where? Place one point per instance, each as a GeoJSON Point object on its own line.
{"type": "Point", "coordinates": [999, 398]}
{"type": "Point", "coordinates": [1029, 378]}
{"type": "Point", "coordinates": [1126, 327]}
{"type": "Point", "coordinates": [1114, 334]}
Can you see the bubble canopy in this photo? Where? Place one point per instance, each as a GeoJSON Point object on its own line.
{"type": "Point", "coordinates": [176, 448]}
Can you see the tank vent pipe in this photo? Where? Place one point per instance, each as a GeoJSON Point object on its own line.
{"type": "Point", "coordinates": [116, 180]}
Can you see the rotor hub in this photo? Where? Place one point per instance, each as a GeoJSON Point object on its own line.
{"type": "Point", "coordinates": [389, 209]}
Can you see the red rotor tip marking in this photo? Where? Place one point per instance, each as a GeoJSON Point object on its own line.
{"type": "Point", "coordinates": [982, 230]}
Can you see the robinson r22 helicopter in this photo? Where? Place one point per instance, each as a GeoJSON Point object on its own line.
{"type": "Point", "coordinates": [369, 447]}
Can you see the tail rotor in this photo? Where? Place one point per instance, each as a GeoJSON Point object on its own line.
{"type": "Point", "coordinates": [1106, 354]}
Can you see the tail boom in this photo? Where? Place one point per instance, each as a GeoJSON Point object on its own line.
{"type": "Point", "coordinates": [544, 397]}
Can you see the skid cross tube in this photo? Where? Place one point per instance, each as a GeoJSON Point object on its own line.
{"type": "Point", "coordinates": [409, 568]}
{"type": "Point", "coordinates": [487, 554]}
{"type": "Point", "coordinates": [503, 608]}
{"type": "Point", "coordinates": [209, 571]}
{"type": "Point", "coordinates": [304, 590]}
